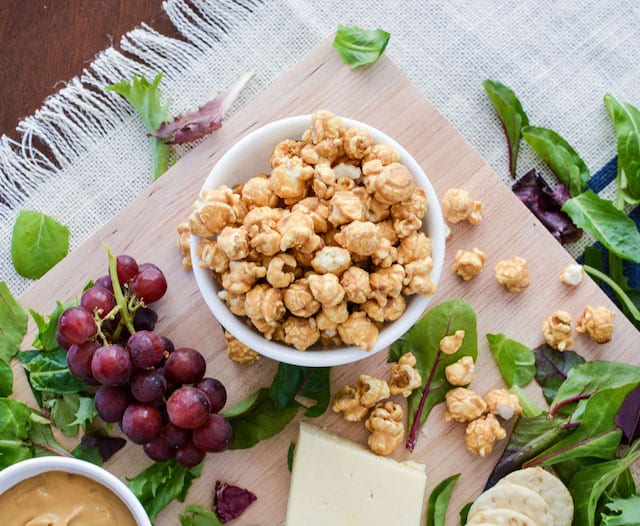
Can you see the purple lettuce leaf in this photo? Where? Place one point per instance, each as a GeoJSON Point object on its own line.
{"type": "Point", "coordinates": [231, 501]}
{"type": "Point", "coordinates": [207, 118]}
{"type": "Point", "coordinates": [628, 417]}
{"type": "Point", "coordinates": [546, 204]}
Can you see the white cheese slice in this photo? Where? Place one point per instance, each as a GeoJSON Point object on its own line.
{"type": "Point", "coordinates": [340, 483]}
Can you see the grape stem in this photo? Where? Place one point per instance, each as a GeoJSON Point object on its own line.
{"type": "Point", "coordinates": [125, 313]}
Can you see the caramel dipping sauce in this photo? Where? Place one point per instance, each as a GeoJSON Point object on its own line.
{"type": "Point", "coordinates": [59, 498]}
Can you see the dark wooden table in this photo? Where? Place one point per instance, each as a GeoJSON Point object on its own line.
{"type": "Point", "coordinates": [46, 42]}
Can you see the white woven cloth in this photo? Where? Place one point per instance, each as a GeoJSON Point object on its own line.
{"type": "Point", "coordinates": [560, 57]}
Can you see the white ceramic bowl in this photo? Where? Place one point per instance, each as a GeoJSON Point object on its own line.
{"type": "Point", "coordinates": [25, 469]}
{"type": "Point", "coordinates": [249, 157]}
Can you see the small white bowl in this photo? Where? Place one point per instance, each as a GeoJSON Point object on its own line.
{"type": "Point", "coordinates": [25, 469]}
{"type": "Point", "coordinates": [249, 157]}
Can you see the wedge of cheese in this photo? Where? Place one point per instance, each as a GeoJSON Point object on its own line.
{"type": "Point", "coordinates": [340, 483]}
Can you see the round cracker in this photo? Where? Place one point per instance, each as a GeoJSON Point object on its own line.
{"type": "Point", "coordinates": [550, 488]}
{"type": "Point", "coordinates": [501, 517]}
{"type": "Point", "coordinates": [514, 497]}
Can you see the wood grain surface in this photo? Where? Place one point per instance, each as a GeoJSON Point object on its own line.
{"type": "Point", "coordinates": [47, 42]}
{"type": "Point", "coordinates": [383, 97]}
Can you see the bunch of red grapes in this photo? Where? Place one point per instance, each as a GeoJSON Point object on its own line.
{"type": "Point", "coordinates": [157, 393]}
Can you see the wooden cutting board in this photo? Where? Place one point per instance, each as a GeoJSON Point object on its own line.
{"type": "Point", "coordinates": [381, 96]}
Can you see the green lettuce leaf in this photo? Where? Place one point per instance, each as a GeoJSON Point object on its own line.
{"type": "Point", "coordinates": [515, 360]}
{"type": "Point", "coordinates": [194, 515]}
{"type": "Point", "coordinates": [13, 324]}
{"type": "Point", "coordinates": [439, 501]}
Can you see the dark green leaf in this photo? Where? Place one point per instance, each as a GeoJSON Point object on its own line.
{"type": "Point", "coordinates": [48, 371]}
{"type": "Point", "coordinates": [37, 244]}
{"type": "Point", "coordinates": [529, 407]}
{"type": "Point", "coordinates": [588, 378]}
{"type": "Point", "coordinates": [628, 298]}
{"type": "Point", "coordinates": [286, 384]}
{"type": "Point", "coordinates": [13, 324]}
{"type": "Point", "coordinates": [310, 382]}
{"type": "Point", "coordinates": [560, 156]}
{"type": "Point", "coordinates": [529, 437]}
{"type": "Point", "coordinates": [464, 513]}
{"type": "Point", "coordinates": [194, 515]}
{"type": "Point", "coordinates": [162, 482]}
{"type": "Point", "coordinates": [257, 418]}
{"type": "Point", "coordinates": [597, 435]}
{"type": "Point", "coordinates": [90, 454]}
{"type": "Point", "coordinates": [623, 487]}
{"type": "Point", "coordinates": [552, 368]}
{"type": "Point", "coordinates": [515, 360]}
{"type": "Point", "coordinates": [511, 115]}
{"type": "Point", "coordinates": [317, 387]}
{"type": "Point", "coordinates": [593, 258]}
{"type": "Point", "coordinates": [423, 340]}
{"type": "Point", "coordinates": [46, 340]}
{"type": "Point", "coordinates": [439, 501]}
{"type": "Point", "coordinates": [146, 98]}
{"type": "Point", "coordinates": [290, 454]}
{"type": "Point", "coordinates": [622, 512]}
{"type": "Point", "coordinates": [6, 379]}
{"type": "Point", "coordinates": [608, 225]}
{"type": "Point", "coordinates": [359, 47]}
{"type": "Point", "coordinates": [567, 469]}
{"type": "Point", "coordinates": [588, 485]}
{"type": "Point", "coordinates": [626, 119]}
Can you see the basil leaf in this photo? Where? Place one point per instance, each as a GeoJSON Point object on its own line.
{"type": "Point", "coordinates": [588, 378]}
{"type": "Point", "coordinates": [48, 371]}
{"type": "Point", "coordinates": [511, 115]}
{"type": "Point", "coordinates": [515, 360]}
{"type": "Point", "coordinates": [145, 97]}
{"type": "Point", "coordinates": [423, 341]}
{"type": "Point", "coordinates": [597, 435]}
{"type": "Point", "coordinates": [608, 225]}
{"type": "Point", "coordinates": [560, 156]}
{"type": "Point", "coordinates": [257, 418]}
{"type": "Point", "coordinates": [552, 368]}
{"type": "Point", "coordinates": [311, 382]}
{"type": "Point", "coordinates": [13, 324]}
{"type": "Point", "coordinates": [6, 379]}
{"type": "Point", "coordinates": [162, 482]}
{"type": "Point", "coordinates": [621, 512]}
{"type": "Point", "coordinates": [529, 407]}
{"type": "Point", "coordinates": [37, 244]}
{"type": "Point", "coordinates": [626, 119]}
{"type": "Point", "coordinates": [529, 437]}
{"type": "Point", "coordinates": [439, 501]}
{"type": "Point", "coordinates": [588, 485]}
{"type": "Point", "coordinates": [359, 47]}
{"type": "Point", "coordinates": [194, 515]}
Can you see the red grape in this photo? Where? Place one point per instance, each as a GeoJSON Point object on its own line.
{"type": "Point", "coordinates": [215, 391]}
{"type": "Point", "coordinates": [148, 386]}
{"type": "Point", "coordinates": [158, 449]}
{"type": "Point", "coordinates": [168, 344]}
{"type": "Point", "coordinates": [111, 365]}
{"type": "Point", "coordinates": [188, 407]}
{"type": "Point", "coordinates": [146, 349]}
{"type": "Point", "coordinates": [79, 361]}
{"type": "Point", "coordinates": [98, 299]}
{"type": "Point", "coordinates": [175, 436]}
{"type": "Point", "coordinates": [215, 435]}
{"type": "Point", "coordinates": [62, 341]}
{"type": "Point", "coordinates": [111, 402]}
{"type": "Point", "coordinates": [126, 267]}
{"type": "Point", "coordinates": [149, 284]}
{"type": "Point", "coordinates": [145, 319]}
{"type": "Point", "coordinates": [141, 422]}
{"type": "Point", "coordinates": [104, 282]}
{"type": "Point", "coordinates": [185, 366]}
{"type": "Point", "coordinates": [189, 455]}
{"type": "Point", "coordinates": [76, 325]}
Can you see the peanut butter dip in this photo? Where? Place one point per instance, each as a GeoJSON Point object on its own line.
{"type": "Point", "coordinates": [58, 498]}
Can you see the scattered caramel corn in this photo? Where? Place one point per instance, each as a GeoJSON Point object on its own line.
{"type": "Point", "coordinates": [572, 274]}
{"type": "Point", "coordinates": [502, 403]}
{"type": "Point", "coordinates": [184, 244]}
{"type": "Point", "coordinates": [468, 263]}
{"type": "Point", "coordinates": [404, 376]}
{"type": "Point", "coordinates": [385, 425]}
{"type": "Point", "coordinates": [347, 402]}
{"type": "Point", "coordinates": [239, 352]}
{"type": "Point", "coordinates": [457, 205]}
{"type": "Point", "coordinates": [482, 434]}
{"type": "Point", "coordinates": [462, 372]}
{"type": "Point", "coordinates": [598, 323]}
{"type": "Point", "coordinates": [463, 405]}
{"type": "Point", "coordinates": [513, 274]}
{"type": "Point", "coordinates": [372, 390]}
{"type": "Point", "coordinates": [558, 331]}
{"type": "Point", "coordinates": [450, 344]}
